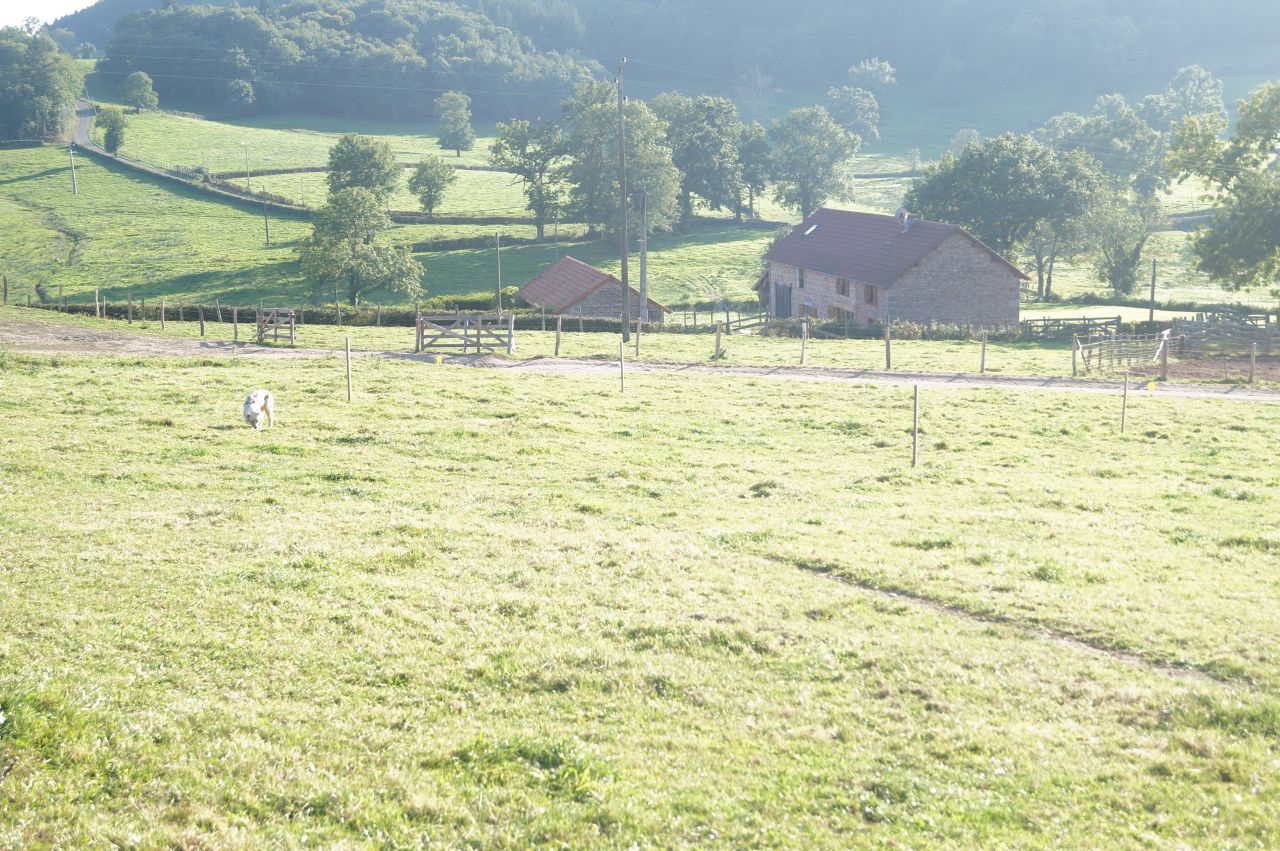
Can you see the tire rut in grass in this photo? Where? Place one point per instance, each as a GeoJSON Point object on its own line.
{"type": "Point", "coordinates": [1077, 642]}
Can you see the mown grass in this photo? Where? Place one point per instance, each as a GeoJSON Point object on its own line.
{"type": "Point", "coordinates": [1047, 358]}
{"type": "Point", "coordinates": [474, 193]}
{"type": "Point", "coordinates": [283, 141]}
{"type": "Point", "coordinates": [504, 610]}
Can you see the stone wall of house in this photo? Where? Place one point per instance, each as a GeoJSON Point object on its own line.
{"type": "Point", "coordinates": [607, 302]}
{"type": "Point", "coordinates": [959, 282]}
{"type": "Point", "coordinates": [820, 295]}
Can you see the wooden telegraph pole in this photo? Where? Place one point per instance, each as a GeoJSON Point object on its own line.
{"type": "Point", "coordinates": [622, 206]}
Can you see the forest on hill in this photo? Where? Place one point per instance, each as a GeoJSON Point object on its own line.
{"type": "Point", "coordinates": [386, 58]}
{"type": "Point", "coordinates": [963, 49]}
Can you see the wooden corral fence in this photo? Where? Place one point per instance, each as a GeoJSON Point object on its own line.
{"type": "Point", "coordinates": [466, 331]}
{"type": "Point", "coordinates": [1104, 352]}
{"type": "Point", "coordinates": [272, 319]}
{"type": "Point", "coordinates": [1065, 326]}
{"type": "Point", "coordinates": [1228, 335]}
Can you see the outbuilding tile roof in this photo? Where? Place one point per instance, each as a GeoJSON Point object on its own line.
{"type": "Point", "coordinates": [568, 281]}
{"type": "Point", "coordinates": [865, 247]}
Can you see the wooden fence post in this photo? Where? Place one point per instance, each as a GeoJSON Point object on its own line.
{"type": "Point", "coordinates": [97, 306]}
{"type": "Point", "coordinates": [804, 340]}
{"type": "Point", "coordinates": [511, 335]}
{"type": "Point", "coordinates": [579, 320]}
{"type": "Point", "coordinates": [1253, 359]}
{"type": "Point", "coordinates": [1124, 404]}
{"type": "Point", "coordinates": [1075, 350]}
{"type": "Point", "coordinates": [718, 329]}
{"type": "Point", "coordinates": [217, 307]}
{"type": "Point", "coordinates": [161, 313]}
{"type": "Point", "coordinates": [982, 364]}
{"type": "Point", "coordinates": [888, 344]}
{"type": "Point", "coordinates": [348, 369]}
{"type": "Point", "coordinates": [544, 318]}
{"type": "Point", "coordinates": [181, 316]}
{"type": "Point", "coordinates": [378, 319]}
{"type": "Point", "coordinates": [559, 321]}
{"type": "Point", "coordinates": [201, 309]}
{"type": "Point", "coordinates": [915, 424]}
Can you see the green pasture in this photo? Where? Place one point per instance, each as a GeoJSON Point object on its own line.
{"type": "Point", "coordinates": [126, 232]}
{"type": "Point", "coordinates": [475, 193]}
{"type": "Point", "coordinates": [278, 141]}
{"type": "Point", "coordinates": [493, 609]}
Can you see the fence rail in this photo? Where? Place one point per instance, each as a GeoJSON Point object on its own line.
{"type": "Point", "coordinates": [1065, 326]}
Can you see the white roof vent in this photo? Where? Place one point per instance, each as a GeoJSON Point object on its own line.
{"type": "Point", "coordinates": [811, 229]}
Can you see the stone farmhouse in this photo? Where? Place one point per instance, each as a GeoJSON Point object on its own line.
{"type": "Point", "coordinates": [570, 287]}
{"type": "Point", "coordinates": [840, 265]}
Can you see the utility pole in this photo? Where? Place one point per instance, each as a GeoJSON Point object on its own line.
{"type": "Point", "coordinates": [1151, 312]}
{"type": "Point", "coordinates": [266, 226]}
{"type": "Point", "coordinates": [644, 256]}
{"type": "Point", "coordinates": [498, 286]}
{"type": "Point", "coordinates": [245, 145]}
{"type": "Point", "coordinates": [622, 206]}
{"type": "Point", "coordinates": [71, 154]}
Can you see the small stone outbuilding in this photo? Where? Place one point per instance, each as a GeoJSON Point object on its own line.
{"type": "Point", "coordinates": [570, 287]}
{"type": "Point", "coordinates": [839, 265]}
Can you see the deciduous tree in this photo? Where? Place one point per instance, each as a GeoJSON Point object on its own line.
{"type": "Point", "coordinates": [359, 161]}
{"type": "Point", "coordinates": [453, 119]}
{"type": "Point", "coordinates": [431, 178]}
{"type": "Point", "coordinates": [136, 91]}
{"type": "Point", "coordinates": [856, 110]}
{"type": "Point", "coordinates": [590, 170]}
{"type": "Point", "coordinates": [1241, 244]}
{"type": "Point", "coordinates": [703, 134]}
{"type": "Point", "coordinates": [38, 84]}
{"type": "Point", "coordinates": [755, 155]}
{"type": "Point", "coordinates": [347, 249]}
{"type": "Point", "coordinates": [1003, 189]}
{"type": "Point", "coordinates": [532, 151]}
{"type": "Point", "coordinates": [112, 121]}
{"type": "Point", "coordinates": [809, 151]}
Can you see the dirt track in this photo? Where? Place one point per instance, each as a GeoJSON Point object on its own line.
{"type": "Point", "coordinates": [52, 338]}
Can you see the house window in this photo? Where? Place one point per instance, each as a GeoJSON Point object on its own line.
{"type": "Point", "coordinates": [801, 271]}
{"type": "Point", "coordinates": [871, 295]}
{"type": "Point", "coordinates": [842, 287]}
{"type": "Point", "coordinates": [839, 314]}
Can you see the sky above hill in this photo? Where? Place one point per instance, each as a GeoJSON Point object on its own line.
{"type": "Point", "coordinates": [14, 12]}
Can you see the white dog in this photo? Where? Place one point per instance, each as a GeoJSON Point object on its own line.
{"type": "Point", "coordinates": [260, 407]}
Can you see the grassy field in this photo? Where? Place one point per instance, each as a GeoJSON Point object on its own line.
{"type": "Point", "coordinates": [498, 610]}
{"type": "Point", "coordinates": [286, 141]}
{"type": "Point", "coordinates": [475, 193]}
{"type": "Point", "coordinates": [125, 232]}
{"type": "Point", "coordinates": [1050, 358]}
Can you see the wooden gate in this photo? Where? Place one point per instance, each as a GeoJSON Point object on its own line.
{"type": "Point", "coordinates": [468, 332]}
{"type": "Point", "coordinates": [272, 319]}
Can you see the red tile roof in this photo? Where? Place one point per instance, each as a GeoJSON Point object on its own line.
{"type": "Point", "coordinates": [568, 281]}
{"type": "Point", "coordinates": [865, 247]}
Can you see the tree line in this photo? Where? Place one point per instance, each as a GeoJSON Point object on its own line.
{"type": "Point", "coordinates": [339, 57]}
